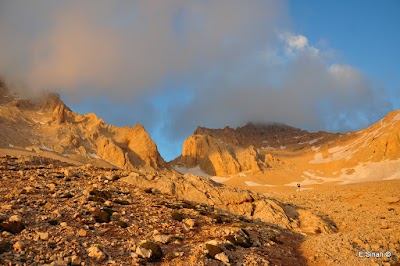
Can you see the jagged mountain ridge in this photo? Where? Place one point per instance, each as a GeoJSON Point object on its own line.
{"type": "Point", "coordinates": [250, 148]}
{"type": "Point", "coordinates": [62, 203]}
{"type": "Point", "coordinates": [273, 154]}
{"type": "Point", "coordinates": [48, 126]}
{"type": "Point", "coordinates": [259, 135]}
{"type": "Point", "coordinates": [279, 154]}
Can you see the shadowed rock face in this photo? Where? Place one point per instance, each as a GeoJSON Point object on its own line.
{"type": "Point", "coordinates": [257, 135]}
{"type": "Point", "coordinates": [47, 124]}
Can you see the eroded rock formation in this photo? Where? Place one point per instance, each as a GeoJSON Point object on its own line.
{"type": "Point", "coordinates": [48, 125]}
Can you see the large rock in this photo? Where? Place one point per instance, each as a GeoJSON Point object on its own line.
{"type": "Point", "coordinates": [235, 200]}
{"type": "Point", "coordinates": [150, 251]}
{"type": "Point", "coordinates": [127, 148]}
{"type": "Point", "coordinates": [111, 152]}
{"type": "Point", "coordinates": [96, 253]}
{"type": "Point", "coordinates": [13, 227]}
{"type": "Point", "coordinates": [141, 149]}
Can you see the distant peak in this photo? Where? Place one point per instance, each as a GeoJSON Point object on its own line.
{"type": "Point", "coordinates": [201, 130]}
{"type": "Point", "coordinates": [53, 101]}
{"type": "Point", "coordinates": [265, 125]}
{"type": "Point", "coordinates": [139, 128]}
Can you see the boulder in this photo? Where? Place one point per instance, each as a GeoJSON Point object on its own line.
{"type": "Point", "coordinates": [96, 253]}
{"type": "Point", "coordinates": [150, 251]}
{"type": "Point", "coordinates": [235, 200]}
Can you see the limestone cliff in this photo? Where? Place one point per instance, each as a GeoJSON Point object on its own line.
{"type": "Point", "coordinates": [276, 154]}
{"type": "Point", "coordinates": [229, 151]}
{"type": "Point", "coordinates": [218, 158]}
{"type": "Point", "coordinates": [47, 125]}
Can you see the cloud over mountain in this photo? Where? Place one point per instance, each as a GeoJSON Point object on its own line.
{"type": "Point", "coordinates": [185, 63]}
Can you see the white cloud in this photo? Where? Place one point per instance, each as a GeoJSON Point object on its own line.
{"type": "Point", "coordinates": [295, 44]}
{"type": "Point", "coordinates": [130, 46]}
{"type": "Point", "coordinates": [344, 71]}
{"type": "Point", "coordinates": [230, 57]}
{"type": "Point", "coordinates": [297, 41]}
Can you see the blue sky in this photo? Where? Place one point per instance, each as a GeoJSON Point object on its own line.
{"type": "Point", "coordinates": [365, 34]}
{"type": "Point", "coordinates": [175, 65]}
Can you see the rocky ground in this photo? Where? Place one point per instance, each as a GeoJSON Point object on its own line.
{"type": "Point", "coordinates": [367, 216]}
{"type": "Point", "coordinates": [52, 213]}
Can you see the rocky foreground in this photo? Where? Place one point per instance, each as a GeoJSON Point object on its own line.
{"type": "Point", "coordinates": [52, 213]}
{"type": "Point", "coordinates": [367, 216]}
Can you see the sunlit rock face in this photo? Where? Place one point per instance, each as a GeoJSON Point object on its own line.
{"type": "Point", "coordinates": [45, 124]}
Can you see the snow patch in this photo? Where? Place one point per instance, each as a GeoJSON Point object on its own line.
{"type": "Point", "coordinates": [44, 148]}
{"type": "Point", "coordinates": [94, 155]}
{"type": "Point", "coordinates": [347, 151]}
{"type": "Point", "coordinates": [315, 140]}
{"type": "Point", "coordinates": [39, 122]}
{"type": "Point", "coordinates": [311, 179]}
{"type": "Point", "coordinates": [336, 149]}
{"type": "Point", "coordinates": [313, 148]}
{"type": "Point", "coordinates": [219, 179]}
{"type": "Point", "coordinates": [311, 142]}
{"type": "Point", "coordinates": [372, 171]}
{"type": "Point", "coordinates": [195, 170]}
{"type": "Point", "coordinates": [336, 153]}
{"type": "Point", "coordinates": [254, 184]}
{"type": "Point", "coordinates": [268, 148]}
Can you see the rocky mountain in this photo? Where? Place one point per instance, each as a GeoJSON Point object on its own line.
{"type": "Point", "coordinates": [251, 148]}
{"type": "Point", "coordinates": [76, 191]}
{"type": "Point", "coordinates": [275, 154]}
{"type": "Point", "coordinates": [45, 125]}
